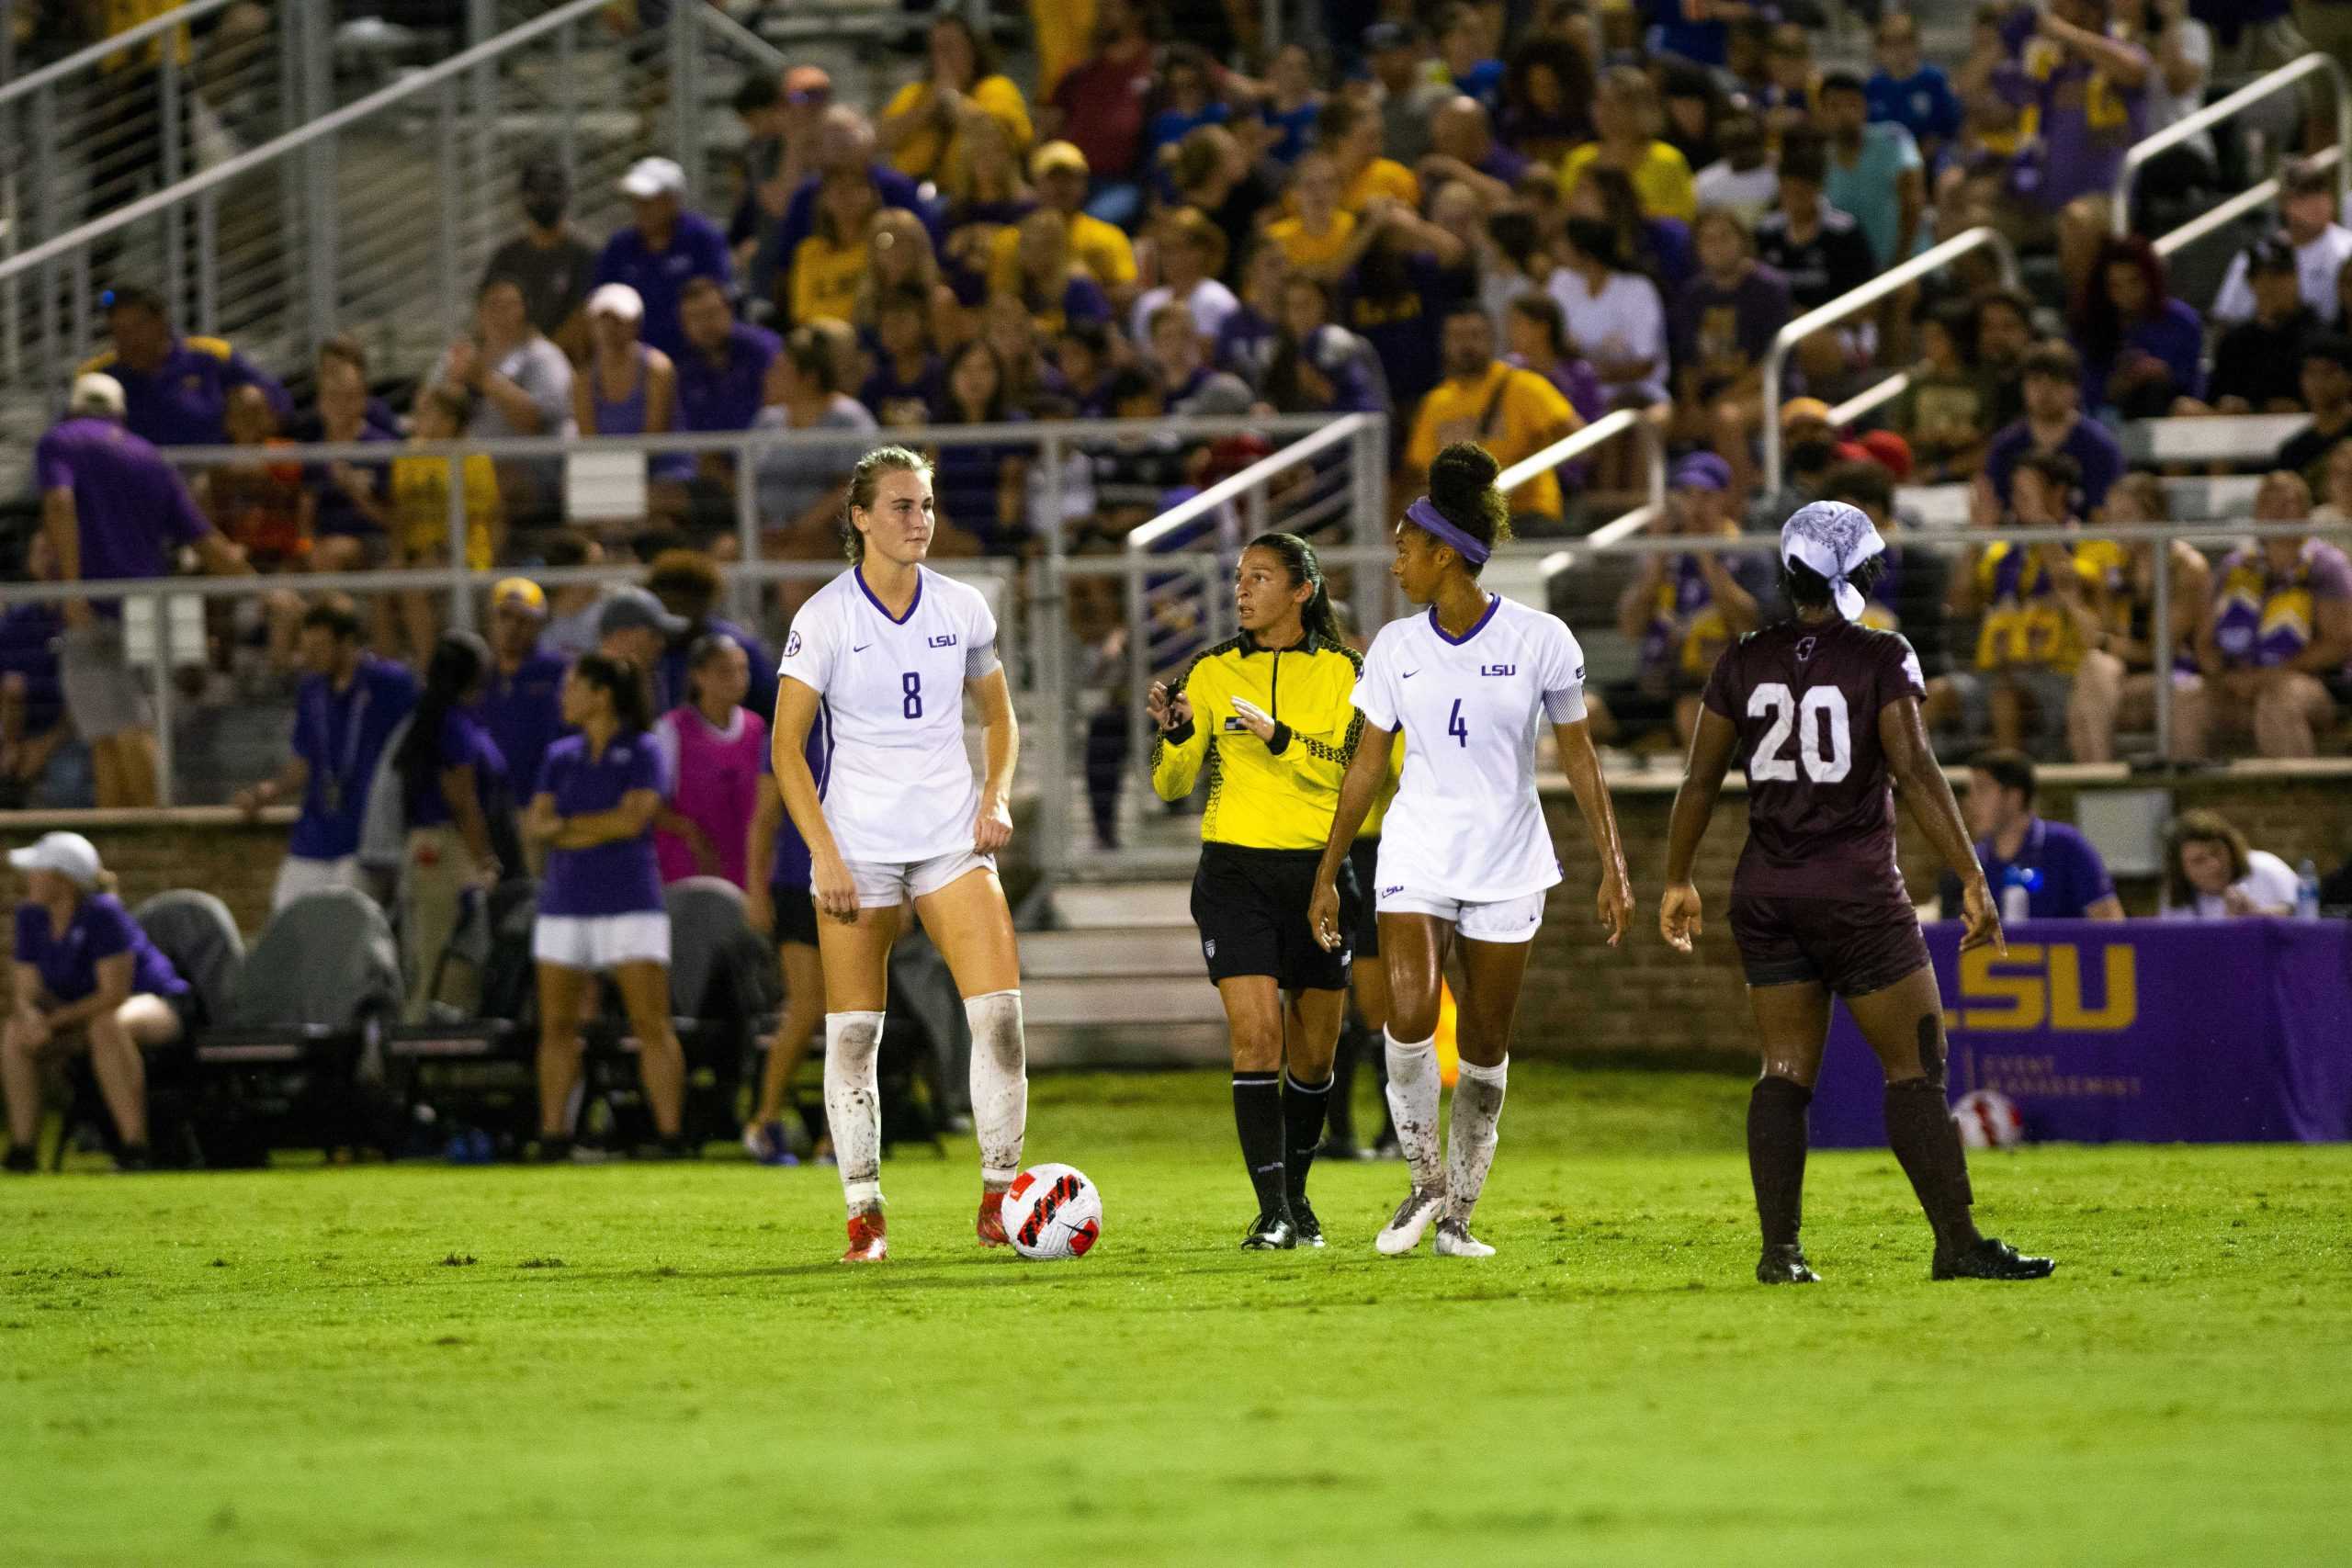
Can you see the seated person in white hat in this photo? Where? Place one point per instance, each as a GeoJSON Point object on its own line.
{"type": "Point", "coordinates": [86, 978]}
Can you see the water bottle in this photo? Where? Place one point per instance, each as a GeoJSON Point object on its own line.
{"type": "Point", "coordinates": [2307, 891]}
{"type": "Point", "coordinates": [2015, 895]}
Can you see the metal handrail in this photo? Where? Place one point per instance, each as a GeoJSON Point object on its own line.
{"type": "Point", "coordinates": [129, 38]}
{"type": "Point", "coordinates": [326, 125]}
{"type": "Point", "coordinates": [739, 36]}
{"type": "Point", "coordinates": [1852, 301]}
{"type": "Point", "coordinates": [1184, 512]}
{"type": "Point", "coordinates": [2261, 87]}
{"type": "Point", "coordinates": [2255, 195]}
{"type": "Point", "coordinates": [1607, 428]}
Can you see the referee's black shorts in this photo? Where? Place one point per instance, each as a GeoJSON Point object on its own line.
{"type": "Point", "coordinates": [1364, 858]}
{"type": "Point", "coordinates": [1251, 908]}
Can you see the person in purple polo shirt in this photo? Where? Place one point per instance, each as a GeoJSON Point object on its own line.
{"type": "Point", "coordinates": [723, 371]}
{"type": "Point", "coordinates": [86, 979]}
{"type": "Point", "coordinates": [346, 709]}
{"type": "Point", "coordinates": [2039, 870]}
{"type": "Point", "coordinates": [176, 390]}
{"type": "Point", "coordinates": [521, 696]}
{"type": "Point", "coordinates": [666, 246]}
{"type": "Point", "coordinates": [113, 509]}
{"type": "Point", "coordinates": [600, 902]}
{"type": "Point", "coordinates": [2054, 422]}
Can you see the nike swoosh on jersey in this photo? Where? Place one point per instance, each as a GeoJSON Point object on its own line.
{"type": "Point", "coordinates": [1407, 674]}
{"type": "Point", "coordinates": [861, 647]}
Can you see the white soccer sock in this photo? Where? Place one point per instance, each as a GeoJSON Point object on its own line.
{"type": "Point", "coordinates": [999, 1084]}
{"type": "Point", "coordinates": [853, 1104]}
{"type": "Point", "coordinates": [1477, 1107]}
{"type": "Point", "coordinates": [1412, 1104]}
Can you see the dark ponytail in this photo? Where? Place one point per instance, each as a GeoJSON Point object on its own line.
{"type": "Point", "coordinates": [620, 680]}
{"type": "Point", "coordinates": [1461, 486]}
{"type": "Point", "coordinates": [1298, 560]}
{"type": "Point", "coordinates": [452, 674]}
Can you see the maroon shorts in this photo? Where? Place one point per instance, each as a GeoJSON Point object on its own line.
{"type": "Point", "coordinates": [1853, 948]}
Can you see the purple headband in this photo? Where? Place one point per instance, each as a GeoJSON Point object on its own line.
{"type": "Point", "coordinates": [1424, 514]}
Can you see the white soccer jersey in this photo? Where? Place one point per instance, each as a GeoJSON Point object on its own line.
{"type": "Point", "coordinates": [1467, 823]}
{"type": "Point", "coordinates": [895, 778]}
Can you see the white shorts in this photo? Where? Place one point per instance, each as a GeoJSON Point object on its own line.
{"type": "Point", "coordinates": [297, 876]}
{"type": "Point", "coordinates": [885, 885]}
{"type": "Point", "coordinates": [601, 941]}
{"type": "Point", "coordinates": [1504, 919]}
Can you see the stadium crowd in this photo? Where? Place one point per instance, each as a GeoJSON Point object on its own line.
{"type": "Point", "coordinates": [1485, 231]}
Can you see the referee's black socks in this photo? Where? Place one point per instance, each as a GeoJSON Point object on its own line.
{"type": "Point", "coordinates": [1304, 1106]}
{"type": "Point", "coordinates": [1258, 1117]}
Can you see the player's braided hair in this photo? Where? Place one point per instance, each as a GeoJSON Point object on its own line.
{"type": "Point", "coordinates": [865, 483]}
{"type": "Point", "coordinates": [1298, 560]}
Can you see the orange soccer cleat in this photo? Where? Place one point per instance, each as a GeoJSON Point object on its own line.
{"type": "Point", "coordinates": [991, 1225]}
{"type": "Point", "coordinates": [867, 1242]}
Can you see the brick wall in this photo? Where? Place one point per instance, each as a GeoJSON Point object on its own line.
{"type": "Point", "coordinates": [207, 848]}
{"type": "Point", "coordinates": [1645, 997]}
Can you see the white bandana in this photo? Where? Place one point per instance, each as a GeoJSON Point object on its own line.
{"type": "Point", "coordinates": [1833, 539]}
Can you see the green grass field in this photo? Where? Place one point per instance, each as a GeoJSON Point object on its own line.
{"type": "Point", "coordinates": [664, 1364]}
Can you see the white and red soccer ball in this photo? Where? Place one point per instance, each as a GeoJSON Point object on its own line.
{"type": "Point", "coordinates": [1988, 1119]}
{"type": "Point", "coordinates": [1053, 1211]}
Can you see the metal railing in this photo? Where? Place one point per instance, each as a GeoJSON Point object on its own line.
{"type": "Point", "coordinates": [2285, 78]}
{"type": "Point", "coordinates": [379, 214]}
{"type": "Point", "coordinates": [1852, 302]}
{"type": "Point", "coordinates": [1642, 424]}
{"type": "Point", "coordinates": [1041, 666]}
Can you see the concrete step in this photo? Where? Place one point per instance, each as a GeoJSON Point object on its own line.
{"type": "Point", "coordinates": [1119, 999]}
{"type": "Point", "coordinates": [1123, 904]}
{"type": "Point", "coordinates": [1147, 952]}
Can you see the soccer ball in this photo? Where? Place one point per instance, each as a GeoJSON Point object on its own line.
{"type": "Point", "coordinates": [1053, 1211]}
{"type": "Point", "coordinates": [1988, 1121]}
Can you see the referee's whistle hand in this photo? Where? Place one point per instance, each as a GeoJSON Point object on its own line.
{"type": "Point", "coordinates": [1323, 914]}
{"type": "Point", "coordinates": [1169, 710]}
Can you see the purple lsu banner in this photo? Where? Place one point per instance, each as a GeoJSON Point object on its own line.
{"type": "Point", "coordinates": [2146, 1031]}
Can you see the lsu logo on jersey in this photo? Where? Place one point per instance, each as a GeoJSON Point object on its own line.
{"type": "Point", "coordinates": [1498, 669]}
{"type": "Point", "coordinates": [948, 640]}
{"type": "Point", "coordinates": [2038, 986]}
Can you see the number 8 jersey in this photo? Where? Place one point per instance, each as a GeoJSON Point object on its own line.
{"type": "Point", "coordinates": [893, 772]}
{"type": "Point", "coordinates": [1467, 823]}
{"type": "Point", "coordinates": [1805, 697]}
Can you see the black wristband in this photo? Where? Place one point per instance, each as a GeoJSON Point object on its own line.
{"type": "Point", "coordinates": [1278, 739]}
{"type": "Point", "coordinates": [1178, 735]}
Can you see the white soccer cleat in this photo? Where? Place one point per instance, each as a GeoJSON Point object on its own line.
{"type": "Point", "coordinates": [1403, 1231]}
{"type": "Point", "coordinates": [1454, 1240]}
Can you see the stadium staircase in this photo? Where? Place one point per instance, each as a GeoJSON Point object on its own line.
{"type": "Point", "coordinates": [1118, 979]}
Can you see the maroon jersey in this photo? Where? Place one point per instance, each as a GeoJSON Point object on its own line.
{"type": "Point", "coordinates": [1805, 697]}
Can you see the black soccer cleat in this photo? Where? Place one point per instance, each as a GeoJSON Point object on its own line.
{"type": "Point", "coordinates": [1271, 1232]}
{"type": "Point", "coordinates": [1990, 1259]}
{"type": "Point", "coordinates": [1309, 1229]}
{"type": "Point", "coordinates": [1785, 1265]}
{"type": "Point", "coordinates": [22, 1161]}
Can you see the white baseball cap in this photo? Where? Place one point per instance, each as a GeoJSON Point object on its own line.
{"type": "Point", "coordinates": [649, 178]}
{"type": "Point", "coordinates": [618, 300]}
{"type": "Point", "coordinates": [70, 856]}
{"type": "Point", "coordinates": [96, 393]}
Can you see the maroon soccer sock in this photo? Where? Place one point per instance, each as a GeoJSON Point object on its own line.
{"type": "Point", "coordinates": [1776, 1149]}
{"type": "Point", "coordinates": [1927, 1145]}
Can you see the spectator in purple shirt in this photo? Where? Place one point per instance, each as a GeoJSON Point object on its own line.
{"type": "Point", "coordinates": [42, 764]}
{"type": "Point", "coordinates": [724, 366]}
{"type": "Point", "coordinates": [113, 509]}
{"type": "Point", "coordinates": [2054, 422]}
{"type": "Point", "coordinates": [846, 146]}
{"type": "Point", "coordinates": [176, 390]}
{"type": "Point", "coordinates": [522, 692]}
{"type": "Point", "coordinates": [600, 909]}
{"type": "Point", "coordinates": [86, 979]}
{"type": "Point", "coordinates": [1462, 147]}
{"type": "Point", "coordinates": [2060, 874]}
{"type": "Point", "coordinates": [2141, 348]}
{"type": "Point", "coordinates": [2089, 92]}
{"type": "Point", "coordinates": [1721, 326]}
{"type": "Point", "coordinates": [666, 246]}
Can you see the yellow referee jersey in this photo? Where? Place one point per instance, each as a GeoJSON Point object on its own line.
{"type": "Point", "coordinates": [1265, 794]}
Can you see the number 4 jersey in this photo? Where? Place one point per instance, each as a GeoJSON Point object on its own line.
{"type": "Point", "coordinates": [894, 775]}
{"type": "Point", "coordinates": [1805, 697]}
{"type": "Point", "coordinates": [1467, 823]}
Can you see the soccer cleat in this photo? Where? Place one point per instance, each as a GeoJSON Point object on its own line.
{"type": "Point", "coordinates": [867, 1243]}
{"type": "Point", "coordinates": [1785, 1265]}
{"type": "Point", "coordinates": [1454, 1240]}
{"type": "Point", "coordinates": [1303, 1221]}
{"type": "Point", "coordinates": [133, 1157]}
{"type": "Point", "coordinates": [991, 1221]}
{"type": "Point", "coordinates": [554, 1149]}
{"type": "Point", "coordinates": [22, 1161]}
{"type": "Point", "coordinates": [1403, 1231]}
{"type": "Point", "coordinates": [1271, 1232]}
{"type": "Point", "coordinates": [766, 1142]}
{"type": "Point", "coordinates": [1990, 1259]}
